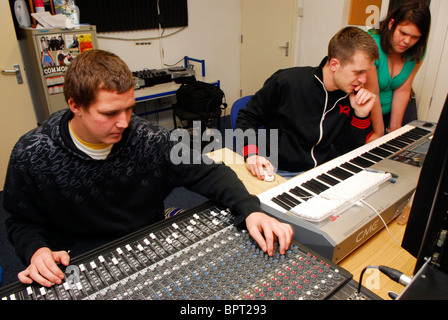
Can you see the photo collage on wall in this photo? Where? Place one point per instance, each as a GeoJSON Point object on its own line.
{"type": "Point", "coordinates": [57, 52]}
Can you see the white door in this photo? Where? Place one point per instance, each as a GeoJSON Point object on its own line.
{"type": "Point", "coordinates": [268, 40]}
{"type": "Point", "coordinates": [431, 82]}
{"type": "Point", "coordinates": [16, 109]}
{"type": "Point", "coordinates": [321, 19]}
{"type": "Point", "coordinates": [440, 92]}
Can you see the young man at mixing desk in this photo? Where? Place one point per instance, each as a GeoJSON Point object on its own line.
{"type": "Point", "coordinates": [318, 112]}
{"type": "Point", "coordinates": [96, 172]}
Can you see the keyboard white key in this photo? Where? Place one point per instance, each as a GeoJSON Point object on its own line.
{"type": "Point", "coordinates": [341, 196]}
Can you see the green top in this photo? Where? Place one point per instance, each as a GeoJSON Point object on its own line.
{"type": "Point", "coordinates": [386, 83]}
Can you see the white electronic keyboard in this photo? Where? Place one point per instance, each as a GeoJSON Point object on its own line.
{"type": "Point", "coordinates": [337, 197]}
{"type": "Point", "coordinates": [334, 207]}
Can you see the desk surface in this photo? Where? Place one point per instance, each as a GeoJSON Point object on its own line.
{"type": "Point", "coordinates": [236, 163]}
{"type": "Point", "coordinates": [380, 249]}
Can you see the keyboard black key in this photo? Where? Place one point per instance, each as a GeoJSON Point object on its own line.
{"type": "Point", "coordinates": [315, 186]}
{"type": "Point", "coordinates": [296, 201]}
{"type": "Point", "coordinates": [285, 199]}
{"type": "Point", "coordinates": [413, 136]}
{"type": "Point", "coordinates": [281, 204]}
{"type": "Point", "coordinates": [371, 156]}
{"type": "Point", "coordinates": [351, 167]}
{"type": "Point", "coordinates": [340, 173]}
{"type": "Point", "coordinates": [302, 194]}
{"type": "Point", "coordinates": [328, 180]}
{"type": "Point", "coordinates": [381, 152]}
{"type": "Point", "coordinates": [420, 131]}
{"type": "Point", "coordinates": [404, 139]}
{"type": "Point", "coordinates": [397, 144]}
{"type": "Point", "coordinates": [362, 162]}
{"type": "Point", "coordinates": [390, 147]}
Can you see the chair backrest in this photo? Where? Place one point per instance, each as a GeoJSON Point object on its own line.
{"type": "Point", "coordinates": [237, 105]}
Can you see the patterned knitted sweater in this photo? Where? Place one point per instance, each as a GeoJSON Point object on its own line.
{"type": "Point", "coordinates": [58, 197]}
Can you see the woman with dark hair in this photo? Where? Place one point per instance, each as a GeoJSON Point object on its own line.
{"type": "Point", "coordinates": [402, 40]}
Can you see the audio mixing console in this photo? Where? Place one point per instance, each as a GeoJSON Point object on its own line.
{"type": "Point", "coordinates": [197, 255]}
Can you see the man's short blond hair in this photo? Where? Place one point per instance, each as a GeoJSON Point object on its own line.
{"type": "Point", "coordinates": [96, 70]}
{"type": "Point", "coordinates": [349, 41]}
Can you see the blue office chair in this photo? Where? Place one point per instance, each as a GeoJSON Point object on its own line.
{"type": "Point", "coordinates": [237, 105]}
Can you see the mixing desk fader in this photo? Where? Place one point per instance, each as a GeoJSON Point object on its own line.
{"type": "Point", "coordinates": [198, 254]}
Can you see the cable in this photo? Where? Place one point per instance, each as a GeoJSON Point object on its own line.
{"type": "Point", "coordinates": [384, 222]}
{"type": "Point", "coordinates": [395, 275]}
{"type": "Point", "coordinates": [360, 278]}
{"type": "Point", "coordinates": [361, 202]}
{"type": "Point", "coordinates": [175, 63]}
{"type": "Point", "coordinates": [160, 32]}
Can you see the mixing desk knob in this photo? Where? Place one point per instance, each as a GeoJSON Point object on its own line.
{"type": "Point", "coordinates": [291, 295]}
{"type": "Point", "coordinates": [306, 284]}
{"type": "Point", "coordinates": [336, 274]}
{"type": "Point", "coordinates": [323, 285]}
{"type": "Point", "coordinates": [330, 279]}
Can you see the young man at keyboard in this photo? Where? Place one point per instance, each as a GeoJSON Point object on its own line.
{"type": "Point", "coordinates": [319, 112]}
{"type": "Point", "coordinates": [96, 172]}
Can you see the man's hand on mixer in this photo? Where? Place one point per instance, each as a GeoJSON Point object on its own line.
{"type": "Point", "coordinates": [266, 230]}
{"type": "Point", "coordinates": [43, 267]}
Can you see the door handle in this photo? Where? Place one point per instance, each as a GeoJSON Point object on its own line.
{"type": "Point", "coordinates": [16, 71]}
{"type": "Point", "coordinates": [286, 47]}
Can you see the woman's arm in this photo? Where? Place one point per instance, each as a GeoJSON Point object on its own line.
{"type": "Point", "coordinates": [400, 100]}
{"type": "Point", "coordinates": [376, 115]}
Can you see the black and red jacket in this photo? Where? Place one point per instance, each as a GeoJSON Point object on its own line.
{"type": "Point", "coordinates": [314, 125]}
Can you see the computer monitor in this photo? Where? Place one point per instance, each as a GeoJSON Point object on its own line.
{"type": "Point", "coordinates": [425, 236]}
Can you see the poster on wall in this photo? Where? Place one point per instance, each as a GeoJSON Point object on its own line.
{"type": "Point", "coordinates": [54, 62]}
{"type": "Point", "coordinates": [52, 42]}
{"type": "Point", "coordinates": [85, 42]}
{"type": "Point", "coordinates": [47, 59]}
{"type": "Point", "coordinates": [365, 13]}
{"type": "Point", "coordinates": [55, 84]}
{"type": "Point", "coordinates": [52, 53]}
{"type": "Point", "coordinates": [72, 42]}
{"type": "Point", "coordinates": [57, 51]}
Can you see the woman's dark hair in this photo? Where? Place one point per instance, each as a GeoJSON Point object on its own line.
{"type": "Point", "coordinates": [415, 12]}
